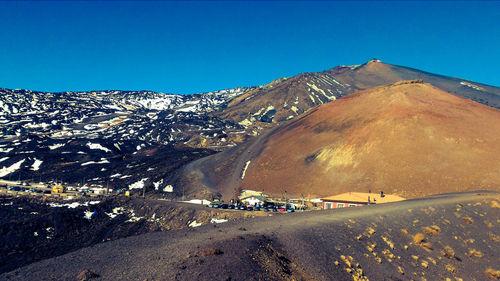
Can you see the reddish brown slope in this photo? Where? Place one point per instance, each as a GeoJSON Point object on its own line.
{"type": "Point", "coordinates": [411, 139]}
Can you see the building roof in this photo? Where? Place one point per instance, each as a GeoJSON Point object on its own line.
{"type": "Point", "coordinates": [248, 192]}
{"type": "Point", "coordinates": [362, 197]}
{"type": "Point", "coordinates": [258, 197]}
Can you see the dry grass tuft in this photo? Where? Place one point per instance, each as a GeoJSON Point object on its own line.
{"type": "Point", "coordinates": [388, 242]}
{"type": "Point", "coordinates": [404, 231]}
{"type": "Point", "coordinates": [468, 220]}
{"type": "Point", "coordinates": [495, 204]}
{"type": "Point", "coordinates": [492, 273]}
{"type": "Point", "coordinates": [418, 238]}
{"type": "Point", "coordinates": [431, 230]}
{"type": "Point", "coordinates": [451, 268]}
{"type": "Point", "coordinates": [494, 237]}
{"type": "Point", "coordinates": [448, 252]}
{"type": "Point", "coordinates": [475, 253]}
{"type": "Point", "coordinates": [369, 231]}
{"type": "Point", "coordinates": [401, 270]}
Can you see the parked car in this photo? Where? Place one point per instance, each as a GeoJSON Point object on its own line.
{"type": "Point", "coordinates": [224, 206]}
{"type": "Point", "coordinates": [231, 207]}
{"type": "Point", "coordinates": [214, 205]}
{"type": "Point", "coordinates": [249, 208]}
{"type": "Point", "coordinates": [14, 188]}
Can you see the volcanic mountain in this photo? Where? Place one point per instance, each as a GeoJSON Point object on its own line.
{"type": "Point", "coordinates": [408, 138]}
{"type": "Point", "coordinates": [286, 98]}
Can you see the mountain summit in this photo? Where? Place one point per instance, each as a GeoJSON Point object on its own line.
{"type": "Point", "coordinates": [285, 98]}
{"type": "Point", "coordinates": [408, 138]}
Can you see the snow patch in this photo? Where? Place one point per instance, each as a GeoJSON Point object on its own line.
{"type": "Point", "coordinates": [74, 204]}
{"type": "Point", "coordinates": [103, 161]}
{"type": "Point", "coordinates": [157, 184]}
{"type": "Point", "coordinates": [169, 188]}
{"type": "Point", "coordinates": [214, 220]}
{"type": "Point", "coordinates": [198, 201]}
{"type": "Point", "coordinates": [470, 85]}
{"type": "Point", "coordinates": [245, 169]}
{"type": "Point", "coordinates": [6, 150]}
{"type": "Point", "coordinates": [138, 184]}
{"type": "Point", "coordinates": [12, 168]}
{"type": "Point", "coordinates": [36, 165]}
{"type": "Point", "coordinates": [116, 211]}
{"type": "Point", "coordinates": [194, 224]}
{"type": "Point", "coordinates": [97, 146]}
{"type": "Point", "coordinates": [245, 123]}
{"type": "Point", "coordinates": [57, 145]}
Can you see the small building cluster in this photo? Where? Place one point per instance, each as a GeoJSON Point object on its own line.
{"type": "Point", "coordinates": [347, 199]}
{"type": "Point", "coordinates": [354, 199]}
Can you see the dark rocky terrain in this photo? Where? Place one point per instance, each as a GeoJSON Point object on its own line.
{"type": "Point", "coordinates": [33, 229]}
{"type": "Point", "coordinates": [445, 237]}
{"type": "Point", "coordinates": [108, 138]}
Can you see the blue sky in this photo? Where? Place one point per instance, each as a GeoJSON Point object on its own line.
{"type": "Point", "coordinates": [190, 47]}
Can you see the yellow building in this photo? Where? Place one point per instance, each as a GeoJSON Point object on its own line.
{"type": "Point", "coordinates": [353, 199]}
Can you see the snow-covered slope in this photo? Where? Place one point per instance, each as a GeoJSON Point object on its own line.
{"type": "Point", "coordinates": [90, 136]}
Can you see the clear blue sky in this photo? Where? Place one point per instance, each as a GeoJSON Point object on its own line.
{"type": "Point", "coordinates": [190, 47]}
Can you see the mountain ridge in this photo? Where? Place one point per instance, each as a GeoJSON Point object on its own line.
{"type": "Point", "coordinates": [43, 131]}
{"type": "Point", "coordinates": [408, 138]}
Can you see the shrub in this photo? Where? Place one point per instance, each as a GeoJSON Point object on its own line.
{"type": "Point", "coordinates": [448, 252]}
{"type": "Point", "coordinates": [418, 238]}
{"type": "Point", "coordinates": [432, 230]}
{"type": "Point", "coordinates": [492, 273]}
{"type": "Point", "coordinates": [468, 220]}
{"type": "Point", "coordinates": [451, 268]}
{"type": "Point", "coordinates": [475, 253]}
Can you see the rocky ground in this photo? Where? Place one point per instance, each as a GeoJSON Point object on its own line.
{"type": "Point", "coordinates": [445, 237]}
{"type": "Point", "coordinates": [33, 229]}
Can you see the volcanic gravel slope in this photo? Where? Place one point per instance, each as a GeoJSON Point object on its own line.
{"type": "Point", "coordinates": [33, 229]}
{"type": "Point", "coordinates": [447, 236]}
{"type": "Point", "coordinates": [408, 138]}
